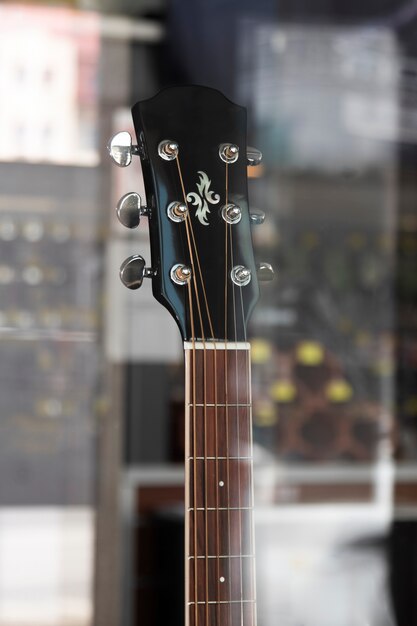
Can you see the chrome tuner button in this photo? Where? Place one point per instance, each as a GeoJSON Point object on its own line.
{"type": "Point", "coordinates": [257, 217]}
{"type": "Point", "coordinates": [253, 156]}
{"type": "Point", "coordinates": [168, 150]}
{"type": "Point", "coordinates": [133, 271]}
{"type": "Point", "coordinates": [228, 152]}
{"type": "Point", "coordinates": [265, 272]}
{"type": "Point", "coordinates": [231, 213]}
{"type": "Point", "coordinates": [129, 210]}
{"type": "Point", "coordinates": [180, 274]}
{"type": "Point", "coordinates": [121, 149]}
{"type": "Point", "coordinates": [241, 275]}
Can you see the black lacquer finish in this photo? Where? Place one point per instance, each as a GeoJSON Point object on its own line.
{"type": "Point", "coordinates": [199, 119]}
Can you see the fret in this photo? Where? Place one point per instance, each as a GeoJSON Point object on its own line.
{"type": "Point", "coordinates": [229, 404]}
{"type": "Point", "coordinates": [211, 368]}
{"type": "Point", "coordinates": [235, 613]}
{"type": "Point", "coordinates": [239, 540]}
{"type": "Point", "coordinates": [228, 580]}
{"type": "Point", "coordinates": [225, 556]}
{"type": "Point", "coordinates": [221, 508]}
{"type": "Point", "coordinates": [219, 458]}
{"type": "Point", "coordinates": [233, 427]}
{"type": "Point", "coordinates": [223, 602]}
{"type": "Point", "coordinates": [221, 483]}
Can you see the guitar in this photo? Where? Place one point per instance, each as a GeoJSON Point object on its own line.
{"type": "Point", "coordinates": [192, 145]}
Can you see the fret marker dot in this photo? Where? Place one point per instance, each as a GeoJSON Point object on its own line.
{"type": "Point", "coordinates": [221, 484]}
{"type": "Point", "coordinates": [222, 579]}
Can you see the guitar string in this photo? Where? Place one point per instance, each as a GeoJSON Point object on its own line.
{"type": "Point", "coordinates": [216, 452]}
{"type": "Point", "coordinates": [215, 409]}
{"type": "Point", "coordinates": [250, 486]}
{"type": "Point", "coordinates": [234, 308]}
{"type": "Point", "coordinates": [241, 550]}
{"type": "Point", "coordinates": [194, 355]}
{"type": "Point", "coordinates": [196, 463]}
{"type": "Point", "coordinates": [216, 440]}
{"type": "Point", "coordinates": [226, 386]}
{"type": "Point", "coordinates": [189, 228]}
{"type": "Point", "coordinates": [194, 282]}
{"type": "Point", "coordinates": [194, 454]}
{"type": "Point", "coordinates": [205, 399]}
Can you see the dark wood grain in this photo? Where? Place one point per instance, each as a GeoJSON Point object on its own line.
{"type": "Point", "coordinates": [233, 431]}
{"type": "Point", "coordinates": [216, 368]}
{"type": "Point", "coordinates": [219, 495]}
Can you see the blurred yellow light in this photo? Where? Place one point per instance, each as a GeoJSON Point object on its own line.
{"type": "Point", "coordinates": [300, 563]}
{"type": "Point", "coordinates": [384, 367]}
{"type": "Point", "coordinates": [101, 405]}
{"type": "Point", "coordinates": [310, 240]}
{"type": "Point", "coordinates": [410, 406]}
{"type": "Point", "coordinates": [265, 415]}
{"type": "Point", "coordinates": [44, 359]}
{"type": "Point", "coordinates": [261, 351]}
{"type": "Point", "coordinates": [409, 243]}
{"type": "Point", "coordinates": [357, 241]}
{"type": "Point", "coordinates": [363, 338]}
{"type": "Point", "coordinates": [385, 243]}
{"type": "Point", "coordinates": [283, 391]}
{"type": "Point", "coordinates": [339, 390]}
{"type": "Point", "coordinates": [310, 353]}
{"type": "Point", "coordinates": [345, 324]}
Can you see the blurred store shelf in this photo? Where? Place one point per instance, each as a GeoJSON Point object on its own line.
{"type": "Point", "coordinates": [126, 29]}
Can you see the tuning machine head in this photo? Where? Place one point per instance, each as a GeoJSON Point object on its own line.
{"type": "Point", "coordinates": [129, 210]}
{"type": "Point", "coordinates": [265, 272]}
{"type": "Point", "coordinates": [257, 217]}
{"type": "Point", "coordinates": [121, 149]}
{"type": "Point", "coordinates": [253, 156]}
{"type": "Point", "coordinates": [133, 271]}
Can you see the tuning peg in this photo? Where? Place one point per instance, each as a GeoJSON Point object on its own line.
{"type": "Point", "coordinates": [265, 272]}
{"type": "Point", "coordinates": [133, 271]}
{"type": "Point", "coordinates": [121, 149]}
{"type": "Point", "coordinates": [253, 156]}
{"type": "Point", "coordinates": [257, 217]}
{"type": "Point", "coordinates": [129, 210]}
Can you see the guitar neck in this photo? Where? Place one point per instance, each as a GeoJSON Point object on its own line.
{"type": "Point", "coordinates": [219, 540]}
{"type": "Point", "coordinates": [192, 143]}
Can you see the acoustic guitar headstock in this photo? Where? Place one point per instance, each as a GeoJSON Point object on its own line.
{"type": "Point", "coordinates": [192, 144]}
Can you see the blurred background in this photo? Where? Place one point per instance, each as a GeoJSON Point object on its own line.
{"type": "Point", "coordinates": [91, 375]}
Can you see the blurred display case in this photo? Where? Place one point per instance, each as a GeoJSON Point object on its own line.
{"type": "Point", "coordinates": [335, 473]}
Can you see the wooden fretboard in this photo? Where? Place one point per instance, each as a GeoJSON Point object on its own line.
{"type": "Point", "coordinates": [219, 542]}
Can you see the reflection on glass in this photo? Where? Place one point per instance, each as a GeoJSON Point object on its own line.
{"type": "Point", "coordinates": [48, 90]}
{"type": "Point", "coordinates": [49, 313]}
{"type": "Point", "coordinates": [325, 101]}
{"type": "Point", "coordinates": [323, 351]}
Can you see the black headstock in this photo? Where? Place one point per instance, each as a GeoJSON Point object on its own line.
{"type": "Point", "coordinates": [192, 144]}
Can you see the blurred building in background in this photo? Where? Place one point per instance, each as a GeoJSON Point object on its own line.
{"type": "Point", "coordinates": [91, 378]}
